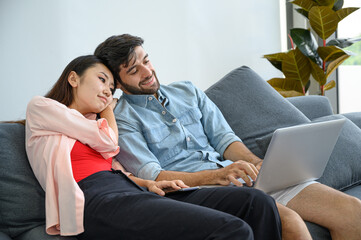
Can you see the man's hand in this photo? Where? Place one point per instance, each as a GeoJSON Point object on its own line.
{"type": "Point", "coordinates": [164, 186]}
{"type": "Point", "coordinates": [238, 169]}
{"type": "Point", "coordinates": [259, 165]}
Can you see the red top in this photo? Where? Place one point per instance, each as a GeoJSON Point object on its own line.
{"type": "Point", "coordinates": [85, 161]}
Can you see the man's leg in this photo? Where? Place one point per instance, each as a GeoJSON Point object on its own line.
{"type": "Point", "coordinates": [337, 211]}
{"type": "Point", "coordinates": [293, 226]}
{"type": "Point", "coordinates": [251, 205]}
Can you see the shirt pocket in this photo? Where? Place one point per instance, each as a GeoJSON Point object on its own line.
{"type": "Point", "coordinates": [191, 120]}
{"type": "Point", "coordinates": [162, 143]}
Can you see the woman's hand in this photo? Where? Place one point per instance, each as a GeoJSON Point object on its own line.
{"type": "Point", "coordinates": [113, 103]}
{"type": "Point", "coordinates": [162, 187]}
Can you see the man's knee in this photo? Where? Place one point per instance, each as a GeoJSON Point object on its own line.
{"type": "Point", "coordinates": [352, 208]}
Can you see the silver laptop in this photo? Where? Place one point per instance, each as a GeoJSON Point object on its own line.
{"type": "Point", "coordinates": [297, 154]}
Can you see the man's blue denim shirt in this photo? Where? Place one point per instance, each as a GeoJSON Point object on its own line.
{"type": "Point", "coordinates": [185, 133]}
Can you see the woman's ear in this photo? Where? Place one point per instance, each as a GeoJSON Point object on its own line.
{"type": "Point", "coordinates": [73, 79]}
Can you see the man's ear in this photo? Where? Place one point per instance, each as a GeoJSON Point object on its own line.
{"type": "Point", "coordinates": [73, 79]}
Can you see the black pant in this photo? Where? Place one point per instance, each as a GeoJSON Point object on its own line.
{"type": "Point", "coordinates": [116, 208]}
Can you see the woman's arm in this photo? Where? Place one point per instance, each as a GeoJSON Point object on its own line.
{"type": "Point", "coordinates": [44, 115]}
{"type": "Point", "coordinates": [108, 114]}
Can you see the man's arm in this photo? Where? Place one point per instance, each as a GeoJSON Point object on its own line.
{"type": "Point", "coordinates": [221, 176]}
{"type": "Point", "coordinates": [238, 151]}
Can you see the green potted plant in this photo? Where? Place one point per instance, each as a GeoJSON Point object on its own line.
{"type": "Point", "coordinates": [307, 58]}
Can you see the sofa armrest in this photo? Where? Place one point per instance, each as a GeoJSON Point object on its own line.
{"type": "Point", "coordinates": [313, 106]}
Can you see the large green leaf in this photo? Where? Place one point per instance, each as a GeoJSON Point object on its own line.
{"type": "Point", "coordinates": [343, 42]}
{"type": "Point", "coordinates": [344, 12]}
{"type": "Point", "coordinates": [275, 59]}
{"type": "Point", "coordinates": [287, 87]}
{"type": "Point", "coordinates": [334, 64]}
{"type": "Point", "coordinates": [323, 21]}
{"type": "Point", "coordinates": [296, 66]}
{"type": "Point", "coordinates": [329, 85]}
{"type": "Point", "coordinates": [328, 3]}
{"type": "Point", "coordinates": [306, 43]}
{"type": "Point", "coordinates": [318, 74]}
{"type": "Point", "coordinates": [331, 53]}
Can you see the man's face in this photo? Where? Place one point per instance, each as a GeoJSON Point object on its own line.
{"type": "Point", "coordinates": [139, 77]}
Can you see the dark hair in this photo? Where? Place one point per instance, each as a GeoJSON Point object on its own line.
{"type": "Point", "coordinates": [62, 91]}
{"type": "Point", "coordinates": [118, 50]}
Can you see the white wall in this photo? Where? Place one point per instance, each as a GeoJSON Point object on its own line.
{"type": "Point", "coordinates": [197, 40]}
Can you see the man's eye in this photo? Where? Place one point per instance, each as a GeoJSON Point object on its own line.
{"type": "Point", "coordinates": [134, 72]}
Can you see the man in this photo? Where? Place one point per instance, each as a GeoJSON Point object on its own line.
{"type": "Point", "coordinates": [176, 132]}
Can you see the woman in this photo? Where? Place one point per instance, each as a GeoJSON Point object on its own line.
{"type": "Point", "coordinates": [70, 152]}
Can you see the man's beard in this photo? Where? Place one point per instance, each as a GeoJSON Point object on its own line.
{"type": "Point", "coordinates": [139, 90]}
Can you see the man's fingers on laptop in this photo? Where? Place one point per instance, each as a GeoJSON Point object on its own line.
{"type": "Point", "coordinates": [259, 165]}
{"type": "Point", "coordinates": [248, 169]}
{"type": "Point", "coordinates": [246, 179]}
{"type": "Point", "coordinates": [233, 180]}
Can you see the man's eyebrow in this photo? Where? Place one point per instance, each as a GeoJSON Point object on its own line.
{"type": "Point", "coordinates": [132, 67]}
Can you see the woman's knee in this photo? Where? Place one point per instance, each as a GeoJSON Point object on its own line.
{"type": "Point", "coordinates": [262, 200]}
{"type": "Point", "coordinates": [233, 228]}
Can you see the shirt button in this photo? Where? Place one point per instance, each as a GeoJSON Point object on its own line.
{"type": "Point", "coordinates": [150, 98]}
{"type": "Point", "coordinates": [163, 112]}
{"type": "Point", "coordinates": [174, 120]}
{"type": "Point", "coordinates": [188, 139]}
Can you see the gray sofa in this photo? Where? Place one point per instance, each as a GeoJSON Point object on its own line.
{"type": "Point", "coordinates": [253, 109]}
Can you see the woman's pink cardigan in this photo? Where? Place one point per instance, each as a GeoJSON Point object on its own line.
{"type": "Point", "coordinates": [51, 131]}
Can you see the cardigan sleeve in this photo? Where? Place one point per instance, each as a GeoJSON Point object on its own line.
{"type": "Point", "coordinates": [50, 117]}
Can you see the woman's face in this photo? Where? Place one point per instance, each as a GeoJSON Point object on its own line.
{"type": "Point", "coordinates": [93, 90]}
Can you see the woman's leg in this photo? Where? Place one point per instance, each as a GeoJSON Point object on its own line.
{"type": "Point", "coordinates": [256, 208]}
{"type": "Point", "coordinates": [112, 213]}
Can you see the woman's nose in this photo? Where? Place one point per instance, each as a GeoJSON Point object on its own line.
{"type": "Point", "coordinates": [107, 92]}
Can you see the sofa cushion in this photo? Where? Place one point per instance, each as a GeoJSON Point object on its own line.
{"type": "Point", "coordinates": [22, 199]}
{"type": "Point", "coordinates": [252, 107]}
{"type": "Point", "coordinates": [343, 169]}
{"type": "Point", "coordinates": [313, 106]}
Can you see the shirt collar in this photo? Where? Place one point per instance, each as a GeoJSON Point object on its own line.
{"type": "Point", "coordinates": [143, 100]}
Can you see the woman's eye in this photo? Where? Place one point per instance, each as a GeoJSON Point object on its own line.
{"type": "Point", "coordinates": [102, 79]}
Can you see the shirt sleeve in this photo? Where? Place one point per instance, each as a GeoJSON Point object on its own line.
{"type": "Point", "coordinates": [48, 116]}
{"type": "Point", "coordinates": [219, 133]}
{"type": "Point", "coordinates": [134, 153]}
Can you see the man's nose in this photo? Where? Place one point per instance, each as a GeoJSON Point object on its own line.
{"type": "Point", "coordinates": [146, 72]}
